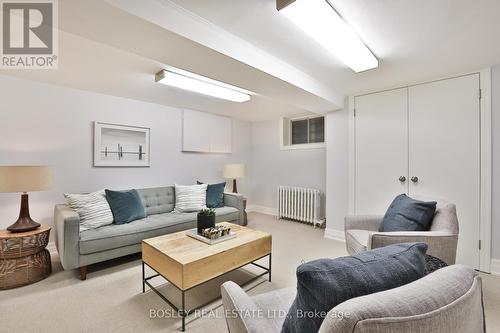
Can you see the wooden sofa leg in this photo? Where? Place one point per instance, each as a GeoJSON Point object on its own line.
{"type": "Point", "coordinates": [83, 273]}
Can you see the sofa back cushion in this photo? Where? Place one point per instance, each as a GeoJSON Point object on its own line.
{"type": "Point", "coordinates": [445, 218]}
{"type": "Point", "coordinates": [158, 200]}
{"type": "Point", "coordinates": [322, 284]}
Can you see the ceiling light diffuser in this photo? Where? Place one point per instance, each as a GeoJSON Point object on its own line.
{"type": "Point", "coordinates": [181, 79]}
{"type": "Point", "coordinates": [319, 20]}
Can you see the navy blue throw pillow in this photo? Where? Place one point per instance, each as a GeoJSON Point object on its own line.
{"type": "Point", "coordinates": [125, 205]}
{"type": "Point", "coordinates": [432, 264]}
{"type": "Point", "coordinates": [407, 214]}
{"type": "Point", "coordinates": [323, 284]}
{"type": "Point", "coordinates": [215, 194]}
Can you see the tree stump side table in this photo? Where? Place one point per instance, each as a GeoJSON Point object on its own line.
{"type": "Point", "coordinates": [24, 258]}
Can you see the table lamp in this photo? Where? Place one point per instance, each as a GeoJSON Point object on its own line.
{"type": "Point", "coordinates": [24, 179]}
{"type": "Point", "coordinates": [234, 171]}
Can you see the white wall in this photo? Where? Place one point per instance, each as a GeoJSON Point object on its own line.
{"type": "Point", "coordinates": [271, 166]}
{"type": "Point", "coordinates": [51, 125]}
{"type": "Point", "coordinates": [337, 165]}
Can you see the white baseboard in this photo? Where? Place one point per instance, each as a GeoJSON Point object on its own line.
{"type": "Point", "coordinates": [495, 267]}
{"type": "Point", "coordinates": [51, 246]}
{"type": "Point", "coordinates": [337, 235]}
{"type": "Point", "coordinates": [261, 209]}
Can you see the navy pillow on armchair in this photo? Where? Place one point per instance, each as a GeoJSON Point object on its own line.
{"type": "Point", "coordinates": [407, 214]}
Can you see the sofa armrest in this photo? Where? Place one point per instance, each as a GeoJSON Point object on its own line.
{"type": "Point", "coordinates": [363, 222]}
{"type": "Point", "coordinates": [235, 200]}
{"type": "Point", "coordinates": [440, 244]}
{"type": "Point", "coordinates": [67, 230]}
{"type": "Point", "coordinates": [242, 314]}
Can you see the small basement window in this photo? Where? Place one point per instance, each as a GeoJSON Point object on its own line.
{"type": "Point", "coordinates": [303, 132]}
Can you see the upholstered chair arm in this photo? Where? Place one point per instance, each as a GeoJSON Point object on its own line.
{"type": "Point", "coordinates": [243, 315]}
{"type": "Point", "coordinates": [440, 244]}
{"type": "Point", "coordinates": [448, 300]}
{"type": "Point", "coordinates": [363, 222]}
{"type": "Point", "coordinates": [235, 200]}
{"type": "Point", "coordinates": [67, 232]}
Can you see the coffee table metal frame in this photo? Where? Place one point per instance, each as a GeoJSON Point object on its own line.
{"type": "Point", "coordinates": [182, 310]}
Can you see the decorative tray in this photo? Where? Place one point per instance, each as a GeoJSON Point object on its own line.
{"type": "Point", "coordinates": [193, 233]}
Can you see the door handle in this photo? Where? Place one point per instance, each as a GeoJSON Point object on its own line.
{"type": "Point", "coordinates": [402, 179]}
{"type": "Point", "coordinates": [414, 179]}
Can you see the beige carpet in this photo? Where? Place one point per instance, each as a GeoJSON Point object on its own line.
{"type": "Point", "coordinates": [110, 300]}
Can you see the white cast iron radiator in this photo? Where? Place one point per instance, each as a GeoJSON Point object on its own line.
{"type": "Point", "coordinates": [301, 204]}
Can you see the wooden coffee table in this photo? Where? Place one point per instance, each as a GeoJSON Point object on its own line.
{"type": "Point", "coordinates": [186, 262]}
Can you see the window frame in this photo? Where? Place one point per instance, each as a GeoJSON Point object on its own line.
{"type": "Point", "coordinates": [286, 133]}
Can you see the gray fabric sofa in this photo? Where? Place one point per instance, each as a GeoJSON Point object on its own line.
{"type": "Point", "coordinates": [361, 233]}
{"type": "Point", "coordinates": [79, 249]}
{"type": "Point", "coordinates": [446, 301]}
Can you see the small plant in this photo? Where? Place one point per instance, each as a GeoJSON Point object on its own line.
{"type": "Point", "coordinates": [207, 212]}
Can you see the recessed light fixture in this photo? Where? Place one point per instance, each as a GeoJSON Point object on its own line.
{"type": "Point", "coordinates": [182, 79]}
{"type": "Point", "coordinates": [320, 20]}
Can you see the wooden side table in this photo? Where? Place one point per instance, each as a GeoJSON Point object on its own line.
{"type": "Point", "coordinates": [24, 258]}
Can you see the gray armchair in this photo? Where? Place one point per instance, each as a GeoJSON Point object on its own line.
{"type": "Point", "coordinates": [361, 233]}
{"type": "Point", "coordinates": [446, 301]}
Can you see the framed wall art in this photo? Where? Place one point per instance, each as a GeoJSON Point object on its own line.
{"type": "Point", "coordinates": [121, 145]}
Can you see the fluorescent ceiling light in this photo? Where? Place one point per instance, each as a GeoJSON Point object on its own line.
{"type": "Point", "coordinates": [319, 20]}
{"type": "Point", "coordinates": [179, 78]}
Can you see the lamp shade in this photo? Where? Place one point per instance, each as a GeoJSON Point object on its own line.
{"type": "Point", "coordinates": [25, 178]}
{"type": "Point", "coordinates": [234, 171]}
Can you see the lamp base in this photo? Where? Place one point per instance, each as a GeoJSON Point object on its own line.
{"type": "Point", "coordinates": [24, 222]}
{"type": "Point", "coordinates": [235, 187]}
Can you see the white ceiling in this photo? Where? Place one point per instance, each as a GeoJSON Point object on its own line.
{"type": "Point", "coordinates": [415, 40]}
{"type": "Point", "coordinates": [107, 50]}
{"type": "Point", "coordinates": [116, 46]}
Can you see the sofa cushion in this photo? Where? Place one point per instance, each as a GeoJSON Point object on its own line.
{"type": "Point", "coordinates": [322, 284]}
{"type": "Point", "coordinates": [158, 200]}
{"type": "Point", "coordinates": [125, 205]}
{"type": "Point", "coordinates": [407, 214]}
{"type": "Point", "coordinates": [114, 236]}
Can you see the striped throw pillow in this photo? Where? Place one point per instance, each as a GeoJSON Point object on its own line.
{"type": "Point", "coordinates": [190, 198]}
{"type": "Point", "coordinates": [93, 209]}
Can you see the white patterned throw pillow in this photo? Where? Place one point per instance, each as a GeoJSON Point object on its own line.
{"type": "Point", "coordinates": [190, 198]}
{"type": "Point", "coordinates": [93, 209]}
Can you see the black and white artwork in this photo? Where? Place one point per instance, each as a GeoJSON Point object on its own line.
{"type": "Point", "coordinates": [121, 145]}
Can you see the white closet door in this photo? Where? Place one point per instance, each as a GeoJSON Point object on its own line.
{"type": "Point", "coordinates": [381, 150]}
{"type": "Point", "coordinates": [444, 142]}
